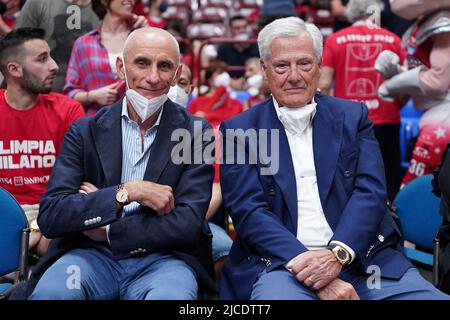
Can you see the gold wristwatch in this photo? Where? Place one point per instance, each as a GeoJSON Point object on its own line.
{"type": "Point", "coordinates": [341, 254]}
{"type": "Point", "coordinates": [121, 196]}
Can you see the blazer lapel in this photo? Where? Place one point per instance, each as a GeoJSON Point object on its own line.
{"type": "Point", "coordinates": [162, 147]}
{"type": "Point", "coordinates": [327, 137]}
{"type": "Point", "coordinates": [285, 176]}
{"type": "Point", "coordinates": [107, 133]}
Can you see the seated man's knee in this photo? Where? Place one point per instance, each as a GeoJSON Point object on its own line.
{"type": "Point", "coordinates": [51, 290]}
{"type": "Point", "coordinates": [172, 294]}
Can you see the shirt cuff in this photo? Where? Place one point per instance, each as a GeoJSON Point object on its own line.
{"type": "Point", "coordinates": [107, 233]}
{"type": "Point", "coordinates": [346, 247]}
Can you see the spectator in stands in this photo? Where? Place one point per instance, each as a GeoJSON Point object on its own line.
{"type": "Point", "coordinates": [427, 81]}
{"type": "Point", "coordinates": [312, 219]}
{"type": "Point", "coordinates": [235, 55]}
{"type": "Point", "coordinates": [33, 122]}
{"type": "Point", "coordinates": [385, 16]}
{"type": "Point", "coordinates": [64, 21]}
{"type": "Point", "coordinates": [139, 235]}
{"type": "Point", "coordinates": [275, 9]}
{"type": "Point", "coordinates": [4, 27]}
{"type": "Point", "coordinates": [221, 241]}
{"type": "Point", "coordinates": [9, 11]}
{"type": "Point", "coordinates": [154, 18]}
{"type": "Point", "coordinates": [348, 59]}
{"type": "Point", "coordinates": [92, 77]}
{"type": "Point", "coordinates": [256, 85]}
{"type": "Point", "coordinates": [181, 92]}
{"type": "Point", "coordinates": [216, 105]}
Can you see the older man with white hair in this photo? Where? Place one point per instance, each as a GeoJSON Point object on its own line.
{"type": "Point", "coordinates": [318, 227]}
{"type": "Point", "coordinates": [126, 219]}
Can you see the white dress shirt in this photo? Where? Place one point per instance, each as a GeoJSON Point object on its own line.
{"type": "Point", "coordinates": [313, 230]}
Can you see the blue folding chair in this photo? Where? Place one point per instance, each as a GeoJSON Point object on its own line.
{"type": "Point", "coordinates": [418, 211]}
{"type": "Point", "coordinates": [409, 129]}
{"type": "Point", "coordinates": [14, 234]}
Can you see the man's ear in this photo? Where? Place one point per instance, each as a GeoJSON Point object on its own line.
{"type": "Point", "coordinates": [14, 69]}
{"type": "Point", "coordinates": [119, 67]}
{"type": "Point", "coordinates": [263, 69]}
{"type": "Point", "coordinates": [177, 75]}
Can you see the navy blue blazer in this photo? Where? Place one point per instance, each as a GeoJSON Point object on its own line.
{"type": "Point", "coordinates": [92, 151]}
{"type": "Point", "coordinates": [350, 178]}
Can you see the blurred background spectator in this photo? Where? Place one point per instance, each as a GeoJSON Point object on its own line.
{"type": "Point", "coordinates": [92, 77]}
{"type": "Point", "coordinates": [349, 58]}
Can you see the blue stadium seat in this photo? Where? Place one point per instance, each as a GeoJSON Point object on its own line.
{"type": "Point", "coordinates": [14, 233]}
{"type": "Point", "coordinates": [418, 212]}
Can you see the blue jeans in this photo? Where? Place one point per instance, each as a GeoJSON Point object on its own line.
{"type": "Point", "coordinates": [280, 284]}
{"type": "Point", "coordinates": [221, 242]}
{"type": "Point", "coordinates": [93, 274]}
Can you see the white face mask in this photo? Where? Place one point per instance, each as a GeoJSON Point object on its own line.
{"type": "Point", "coordinates": [222, 79]}
{"type": "Point", "coordinates": [178, 95]}
{"type": "Point", "coordinates": [144, 107]}
{"type": "Point", "coordinates": [255, 81]}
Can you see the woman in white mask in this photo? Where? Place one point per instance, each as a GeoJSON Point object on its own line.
{"type": "Point", "coordinates": [216, 105]}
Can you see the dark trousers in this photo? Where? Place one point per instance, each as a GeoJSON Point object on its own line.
{"type": "Point", "coordinates": [388, 136]}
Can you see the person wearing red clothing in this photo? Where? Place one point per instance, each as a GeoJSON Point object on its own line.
{"type": "Point", "coordinates": [33, 121]}
{"type": "Point", "coordinates": [349, 58]}
{"type": "Point", "coordinates": [427, 81]}
{"type": "Point", "coordinates": [216, 105]}
{"type": "Point", "coordinates": [92, 78]}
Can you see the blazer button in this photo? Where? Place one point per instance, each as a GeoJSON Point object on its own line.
{"type": "Point", "coordinates": [249, 259]}
{"type": "Point", "coordinates": [347, 173]}
{"type": "Point", "coordinates": [268, 263]}
{"type": "Point", "coordinates": [86, 222]}
{"type": "Point", "coordinates": [98, 219]}
{"type": "Point", "coordinates": [380, 237]}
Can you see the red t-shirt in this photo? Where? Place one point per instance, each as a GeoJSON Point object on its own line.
{"type": "Point", "coordinates": [30, 140]}
{"type": "Point", "coordinates": [352, 52]}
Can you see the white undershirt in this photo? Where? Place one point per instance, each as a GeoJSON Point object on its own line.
{"type": "Point", "coordinates": [313, 230]}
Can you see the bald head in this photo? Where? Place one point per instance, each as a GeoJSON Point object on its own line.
{"type": "Point", "coordinates": [152, 37]}
{"type": "Point", "coordinates": [151, 60]}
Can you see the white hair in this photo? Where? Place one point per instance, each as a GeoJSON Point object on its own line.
{"type": "Point", "coordinates": [288, 27]}
{"type": "Point", "coordinates": [362, 9]}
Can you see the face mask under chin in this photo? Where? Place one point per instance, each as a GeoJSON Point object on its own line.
{"type": "Point", "coordinates": [144, 107]}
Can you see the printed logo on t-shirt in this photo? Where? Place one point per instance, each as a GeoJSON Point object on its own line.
{"type": "Point", "coordinates": [27, 154]}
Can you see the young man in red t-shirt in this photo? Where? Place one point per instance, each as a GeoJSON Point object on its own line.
{"type": "Point", "coordinates": [349, 57]}
{"type": "Point", "coordinates": [33, 121]}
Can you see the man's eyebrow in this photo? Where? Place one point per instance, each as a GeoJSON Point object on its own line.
{"type": "Point", "coordinates": [141, 58]}
{"type": "Point", "coordinates": [170, 62]}
{"type": "Point", "coordinates": [42, 54]}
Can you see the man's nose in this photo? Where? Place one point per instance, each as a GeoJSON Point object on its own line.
{"type": "Point", "coordinates": [152, 75]}
{"type": "Point", "coordinates": [53, 66]}
{"type": "Point", "coordinates": [294, 74]}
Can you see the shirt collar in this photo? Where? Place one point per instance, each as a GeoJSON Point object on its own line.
{"type": "Point", "coordinates": [296, 120]}
{"type": "Point", "coordinates": [127, 117]}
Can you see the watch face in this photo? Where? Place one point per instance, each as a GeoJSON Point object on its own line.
{"type": "Point", "coordinates": [121, 196]}
{"type": "Point", "coordinates": [342, 254]}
